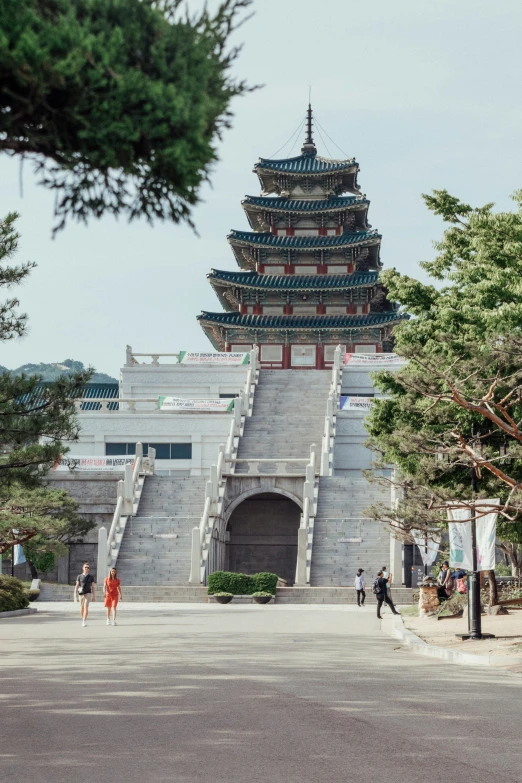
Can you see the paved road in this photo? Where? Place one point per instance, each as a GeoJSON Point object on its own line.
{"type": "Point", "coordinates": [246, 694]}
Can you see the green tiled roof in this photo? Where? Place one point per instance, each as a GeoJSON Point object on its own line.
{"type": "Point", "coordinates": [302, 321]}
{"type": "Point", "coordinates": [296, 242]}
{"type": "Point", "coordinates": [95, 391]}
{"type": "Point", "coordinates": [303, 205]}
{"type": "Point", "coordinates": [254, 280]}
{"type": "Point", "coordinates": [308, 163]}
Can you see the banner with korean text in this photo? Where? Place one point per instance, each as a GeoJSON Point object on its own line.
{"type": "Point", "coordinates": [223, 359]}
{"type": "Point", "coordinates": [181, 404]}
{"type": "Point", "coordinates": [356, 404]}
{"type": "Point", "coordinates": [372, 359]}
{"type": "Point", "coordinates": [94, 463]}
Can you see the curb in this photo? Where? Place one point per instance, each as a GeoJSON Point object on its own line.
{"type": "Point", "coordinates": [18, 612]}
{"type": "Point", "coordinates": [420, 647]}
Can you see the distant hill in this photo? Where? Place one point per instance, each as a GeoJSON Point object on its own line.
{"type": "Point", "coordinates": [50, 372]}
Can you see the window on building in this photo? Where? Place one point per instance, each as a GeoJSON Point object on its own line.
{"type": "Point", "coordinates": [365, 349]}
{"type": "Point", "coordinates": [303, 355]}
{"type": "Point", "coordinates": [329, 351]}
{"type": "Point", "coordinates": [163, 450]}
{"type": "Point", "coordinates": [271, 353]}
{"type": "Point", "coordinates": [240, 348]}
{"type": "Point", "coordinates": [227, 396]}
{"type": "Point", "coordinates": [273, 309]}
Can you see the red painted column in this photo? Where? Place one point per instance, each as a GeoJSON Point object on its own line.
{"type": "Point", "coordinates": [321, 308]}
{"type": "Point", "coordinates": [320, 358]}
{"type": "Point", "coordinates": [287, 357]}
{"type": "Point", "coordinates": [288, 310]}
{"type": "Point", "coordinates": [258, 310]}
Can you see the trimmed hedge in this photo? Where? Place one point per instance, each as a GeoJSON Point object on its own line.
{"type": "Point", "coordinates": [241, 584]}
{"type": "Point", "coordinates": [265, 582]}
{"type": "Point", "coordinates": [13, 595]}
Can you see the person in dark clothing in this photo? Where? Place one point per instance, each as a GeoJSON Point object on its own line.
{"type": "Point", "coordinates": [381, 594]}
{"type": "Point", "coordinates": [359, 586]}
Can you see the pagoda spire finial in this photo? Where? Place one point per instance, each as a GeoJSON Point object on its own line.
{"type": "Point", "coordinates": [309, 146]}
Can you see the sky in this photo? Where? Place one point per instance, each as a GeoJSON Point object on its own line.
{"type": "Point", "coordinates": [424, 95]}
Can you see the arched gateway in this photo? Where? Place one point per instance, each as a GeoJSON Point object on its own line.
{"type": "Point", "coordinates": [262, 535]}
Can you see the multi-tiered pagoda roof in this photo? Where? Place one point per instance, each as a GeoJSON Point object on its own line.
{"type": "Point", "coordinates": [310, 267]}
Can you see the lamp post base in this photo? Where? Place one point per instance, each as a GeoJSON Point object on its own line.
{"type": "Point", "coordinates": [465, 636]}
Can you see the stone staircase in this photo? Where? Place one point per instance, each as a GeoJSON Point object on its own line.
{"type": "Point", "coordinates": [340, 512]}
{"type": "Point", "coordinates": [156, 545]}
{"type": "Point", "coordinates": [288, 416]}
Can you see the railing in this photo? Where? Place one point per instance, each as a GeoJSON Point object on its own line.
{"type": "Point", "coordinates": [131, 358]}
{"type": "Point", "coordinates": [215, 487]}
{"type": "Point", "coordinates": [129, 493]}
{"type": "Point", "coordinates": [332, 405]}
{"type": "Point", "coordinates": [305, 534]}
{"type": "Point", "coordinates": [281, 464]}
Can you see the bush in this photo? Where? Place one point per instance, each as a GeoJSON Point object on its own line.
{"type": "Point", "coordinates": [265, 582]}
{"type": "Point", "coordinates": [228, 582]}
{"type": "Point", "coordinates": [241, 584]}
{"type": "Point", "coordinates": [13, 596]}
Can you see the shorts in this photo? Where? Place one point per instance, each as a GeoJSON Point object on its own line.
{"type": "Point", "coordinates": [111, 601]}
{"type": "Point", "coordinates": [86, 598]}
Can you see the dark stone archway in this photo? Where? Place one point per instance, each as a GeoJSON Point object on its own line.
{"type": "Point", "coordinates": [263, 536]}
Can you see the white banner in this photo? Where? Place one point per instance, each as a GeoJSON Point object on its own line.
{"type": "Point", "coordinates": [225, 359]}
{"type": "Point", "coordinates": [428, 545]}
{"type": "Point", "coordinates": [94, 463]}
{"type": "Point", "coordinates": [181, 404]}
{"type": "Point", "coordinates": [460, 537]}
{"type": "Point", "coordinates": [368, 359]}
{"type": "Point", "coordinates": [355, 403]}
{"type": "Point", "coordinates": [486, 537]}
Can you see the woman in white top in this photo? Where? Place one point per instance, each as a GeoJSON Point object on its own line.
{"type": "Point", "coordinates": [359, 586]}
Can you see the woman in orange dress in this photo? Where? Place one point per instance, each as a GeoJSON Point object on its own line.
{"type": "Point", "coordinates": [112, 592]}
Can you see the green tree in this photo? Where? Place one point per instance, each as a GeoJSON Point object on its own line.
{"type": "Point", "coordinates": [47, 518]}
{"type": "Point", "coordinates": [35, 419]}
{"type": "Point", "coordinates": [41, 550]}
{"type": "Point", "coordinates": [455, 409]}
{"type": "Point", "coordinates": [119, 103]}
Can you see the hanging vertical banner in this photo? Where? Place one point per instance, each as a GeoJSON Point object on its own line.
{"type": "Point", "coordinates": [428, 546]}
{"type": "Point", "coordinates": [460, 538]}
{"type": "Point", "coordinates": [19, 556]}
{"type": "Point", "coordinates": [486, 538]}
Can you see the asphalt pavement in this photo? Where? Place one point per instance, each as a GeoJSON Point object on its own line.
{"type": "Point", "coordinates": [244, 694]}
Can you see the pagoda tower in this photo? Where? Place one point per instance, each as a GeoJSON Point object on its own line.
{"type": "Point", "coordinates": [309, 268]}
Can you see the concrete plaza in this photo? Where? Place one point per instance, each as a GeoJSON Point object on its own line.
{"type": "Point", "coordinates": [224, 694]}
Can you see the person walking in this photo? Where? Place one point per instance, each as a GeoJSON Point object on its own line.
{"type": "Point", "coordinates": [389, 577]}
{"type": "Point", "coordinates": [360, 587]}
{"type": "Point", "coordinates": [380, 587]}
{"type": "Point", "coordinates": [84, 588]}
{"type": "Point", "coordinates": [112, 593]}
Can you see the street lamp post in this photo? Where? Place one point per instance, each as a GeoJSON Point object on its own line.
{"type": "Point", "coordinates": [474, 617]}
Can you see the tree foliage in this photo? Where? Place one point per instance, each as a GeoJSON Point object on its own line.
{"type": "Point", "coordinates": [48, 518]}
{"type": "Point", "coordinates": [118, 103]}
{"type": "Point", "coordinates": [454, 410]}
{"type": "Point", "coordinates": [34, 418]}
{"type": "Point", "coordinates": [12, 323]}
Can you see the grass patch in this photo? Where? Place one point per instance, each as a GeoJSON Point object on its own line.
{"type": "Point", "coordinates": [410, 611]}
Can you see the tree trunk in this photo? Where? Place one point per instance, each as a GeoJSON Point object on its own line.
{"type": "Point", "coordinates": [493, 591]}
{"type": "Point", "coordinates": [32, 569]}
